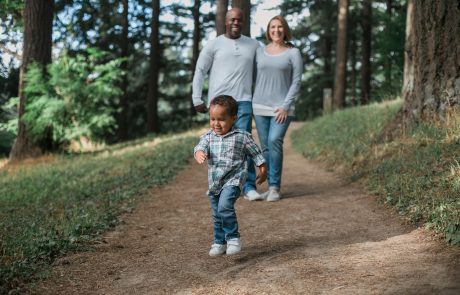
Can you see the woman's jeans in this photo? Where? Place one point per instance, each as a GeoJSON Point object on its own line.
{"type": "Point", "coordinates": [244, 122]}
{"type": "Point", "coordinates": [271, 136]}
{"type": "Point", "coordinates": [224, 215]}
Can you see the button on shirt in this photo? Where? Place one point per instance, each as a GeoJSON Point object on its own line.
{"type": "Point", "coordinates": [226, 157]}
{"type": "Point", "coordinates": [230, 65]}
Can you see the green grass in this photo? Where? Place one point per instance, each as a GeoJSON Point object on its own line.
{"type": "Point", "coordinates": [418, 173]}
{"type": "Point", "coordinates": [64, 204]}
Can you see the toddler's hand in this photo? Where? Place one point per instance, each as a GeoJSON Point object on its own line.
{"type": "Point", "coordinates": [262, 175]}
{"type": "Point", "coordinates": [200, 157]}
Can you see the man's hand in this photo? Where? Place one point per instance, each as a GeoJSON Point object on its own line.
{"type": "Point", "coordinates": [262, 175]}
{"type": "Point", "coordinates": [200, 157]}
{"type": "Point", "coordinates": [201, 108]}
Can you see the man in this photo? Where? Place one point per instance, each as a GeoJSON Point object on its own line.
{"type": "Point", "coordinates": [229, 60]}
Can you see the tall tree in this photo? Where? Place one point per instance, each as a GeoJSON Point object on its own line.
{"type": "Point", "coordinates": [386, 58]}
{"type": "Point", "coordinates": [124, 42]}
{"type": "Point", "coordinates": [354, 72]}
{"type": "Point", "coordinates": [152, 96]}
{"type": "Point", "coordinates": [38, 23]}
{"type": "Point", "coordinates": [221, 11]}
{"type": "Point", "coordinates": [196, 42]}
{"type": "Point", "coordinates": [245, 6]}
{"type": "Point", "coordinates": [196, 33]}
{"type": "Point", "coordinates": [432, 65]}
{"type": "Point", "coordinates": [341, 55]}
{"type": "Point", "coordinates": [366, 23]}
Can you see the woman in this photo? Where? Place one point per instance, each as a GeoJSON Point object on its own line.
{"type": "Point", "coordinates": [279, 72]}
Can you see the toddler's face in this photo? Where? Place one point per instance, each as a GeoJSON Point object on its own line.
{"type": "Point", "coordinates": [219, 119]}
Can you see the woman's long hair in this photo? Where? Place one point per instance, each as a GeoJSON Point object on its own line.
{"type": "Point", "coordinates": [286, 30]}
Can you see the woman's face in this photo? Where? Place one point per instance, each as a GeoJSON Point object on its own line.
{"type": "Point", "coordinates": [276, 31]}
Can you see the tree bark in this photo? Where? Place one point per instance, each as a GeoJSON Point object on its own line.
{"type": "Point", "coordinates": [245, 6]}
{"type": "Point", "coordinates": [341, 55]}
{"type": "Point", "coordinates": [221, 11]}
{"type": "Point", "coordinates": [431, 86]}
{"type": "Point", "coordinates": [152, 96]}
{"type": "Point", "coordinates": [196, 44]}
{"type": "Point", "coordinates": [387, 57]}
{"type": "Point", "coordinates": [366, 52]}
{"type": "Point", "coordinates": [354, 71]}
{"type": "Point", "coordinates": [327, 68]}
{"type": "Point", "coordinates": [38, 23]}
{"type": "Point", "coordinates": [123, 115]}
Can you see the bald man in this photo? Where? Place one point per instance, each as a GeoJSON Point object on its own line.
{"type": "Point", "coordinates": [229, 60]}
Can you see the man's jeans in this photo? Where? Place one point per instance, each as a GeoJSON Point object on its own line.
{"type": "Point", "coordinates": [271, 136]}
{"type": "Point", "coordinates": [224, 215]}
{"type": "Point", "coordinates": [244, 122]}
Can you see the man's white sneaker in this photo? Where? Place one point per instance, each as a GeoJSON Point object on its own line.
{"type": "Point", "coordinates": [252, 195]}
{"type": "Point", "coordinates": [233, 246]}
{"type": "Point", "coordinates": [217, 249]}
{"type": "Point", "coordinates": [273, 196]}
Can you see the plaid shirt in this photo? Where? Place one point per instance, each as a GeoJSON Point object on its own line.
{"type": "Point", "coordinates": [226, 157]}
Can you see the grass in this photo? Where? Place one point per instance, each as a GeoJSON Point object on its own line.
{"type": "Point", "coordinates": [418, 173]}
{"type": "Point", "coordinates": [66, 202]}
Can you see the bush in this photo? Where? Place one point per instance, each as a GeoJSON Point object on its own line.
{"type": "Point", "coordinates": [75, 98]}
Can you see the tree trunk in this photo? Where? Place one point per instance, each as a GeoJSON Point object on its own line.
{"type": "Point", "coordinates": [245, 6]}
{"type": "Point", "coordinates": [221, 11]}
{"type": "Point", "coordinates": [123, 115]}
{"type": "Point", "coordinates": [327, 68]}
{"type": "Point", "coordinates": [354, 73]}
{"type": "Point", "coordinates": [38, 23]}
{"type": "Point", "coordinates": [366, 52]}
{"type": "Point", "coordinates": [152, 96]}
{"type": "Point", "coordinates": [387, 53]}
{"type": "Point", "coordinates": [341, 55]}
{"type": "Point", "coordinates": [431, 86]}
{"type": "Point", "coordinates": [196, 44]}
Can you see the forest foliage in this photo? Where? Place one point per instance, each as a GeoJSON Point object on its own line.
{"type": "Point", "coordinates": [76, 98]}
{"type": "Point", "coordinates": [80, 25]}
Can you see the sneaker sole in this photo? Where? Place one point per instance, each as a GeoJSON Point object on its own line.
{"type": "Point", "coordinates": [214, 255]}
{"type": "Point", "coordinates": [234, 253]}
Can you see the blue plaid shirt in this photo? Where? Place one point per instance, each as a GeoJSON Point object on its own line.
{"type": "Point", "coordinates": [226, 157]}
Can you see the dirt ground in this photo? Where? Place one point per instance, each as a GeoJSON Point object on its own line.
{"type": "Point", "coordinates": [326, 236]}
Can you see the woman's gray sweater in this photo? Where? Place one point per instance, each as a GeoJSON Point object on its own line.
{"type": "Point", "coordinates": [278, 81]}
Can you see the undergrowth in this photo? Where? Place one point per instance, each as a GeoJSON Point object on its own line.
{"type": "Point", "coordinates": [64, 204]}
{"type": "Point", "coordinates": [418, 173]}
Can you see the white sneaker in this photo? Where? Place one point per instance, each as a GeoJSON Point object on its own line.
{"type": "Point", "coordinates": [217, 249]}
{"type": "Point", "coordinates": [233, 246]}
{"type": "Point", "coordinates": [273, 196]}
{"type": "Point", "coordinates": [252, 195]}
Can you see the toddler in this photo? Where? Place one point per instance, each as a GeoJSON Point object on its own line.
{"type": "Point", "coordinates": [226, 147]}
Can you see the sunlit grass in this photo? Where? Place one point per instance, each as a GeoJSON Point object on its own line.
{"type": "Point", "coordinates": [62, 203]}
{"type": "Point", "coordinates": [417, 173]}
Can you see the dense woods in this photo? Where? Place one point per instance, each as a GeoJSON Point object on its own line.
{"type": "Point", "coordinates": [354, 48]}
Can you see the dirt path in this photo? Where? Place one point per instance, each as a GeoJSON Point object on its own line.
{"type": "Point", "coordinates": [324, 236]}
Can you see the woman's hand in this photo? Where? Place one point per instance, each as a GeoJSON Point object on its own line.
{"type": "Point", "coordinates": [281, 115]}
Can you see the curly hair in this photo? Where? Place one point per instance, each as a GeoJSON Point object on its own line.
{"type": "Point", "coordinates": [226, 101]}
